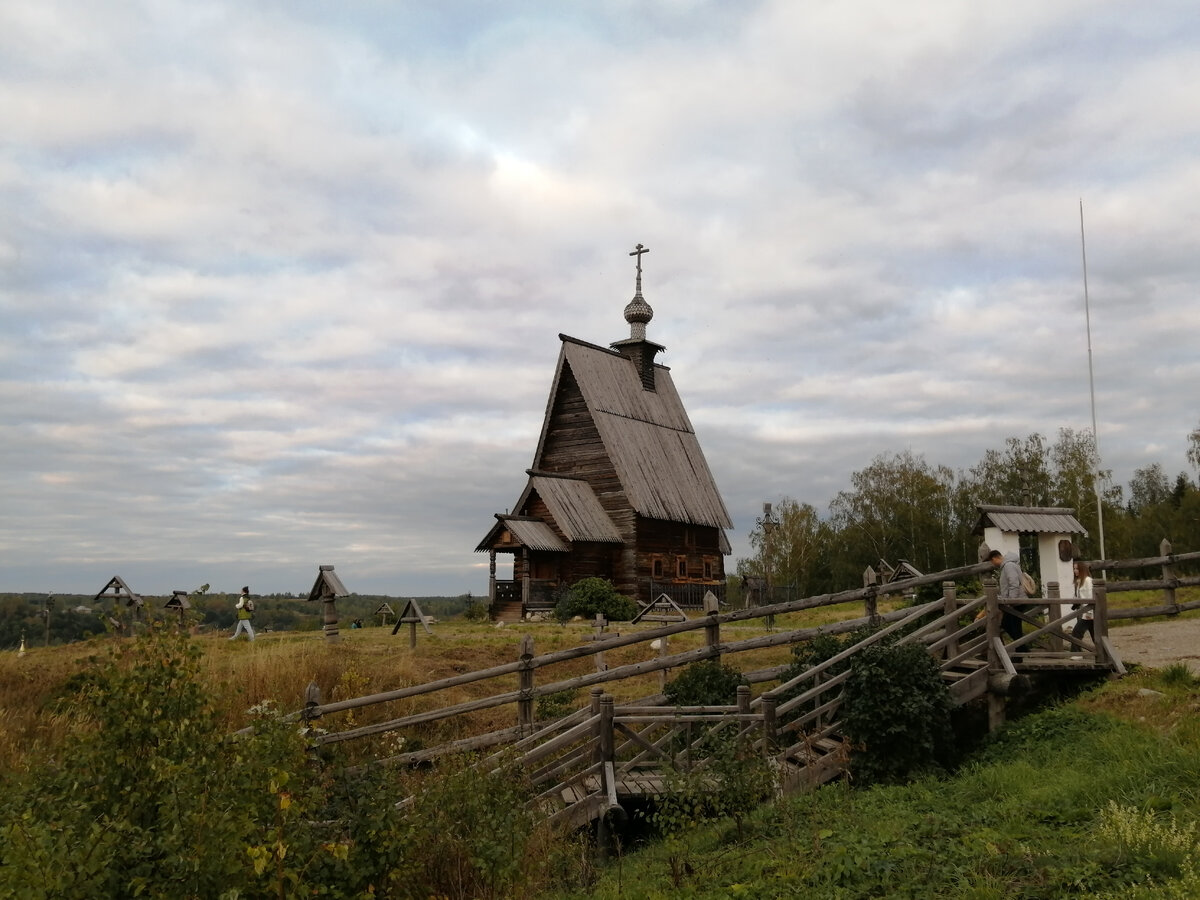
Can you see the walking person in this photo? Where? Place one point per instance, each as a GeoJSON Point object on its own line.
{"type": "Point", "coordinates": [245, 611]}
{"type": "Point", "coordinates": [1086, 623]}
{"type": "Point", "coordinates": [1010, 589]}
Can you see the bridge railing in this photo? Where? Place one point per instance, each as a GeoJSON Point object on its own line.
{"type": "Point", "coordinates": [527, 667]}
{"type": "Point", "coordinates": [815, 695]}
{"type": "Point", "coordinates": [578, 772]}
{"type": "Point", "coordinates": [947, 635]}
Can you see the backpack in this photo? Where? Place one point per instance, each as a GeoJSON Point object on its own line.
{"type": "Point", "coordinates": [1029, 585]}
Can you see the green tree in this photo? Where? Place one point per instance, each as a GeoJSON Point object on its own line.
{"type": "Point", "coordinates": [900, 507]}
{"type": "Point", "coordinates": [1076, 477]}
{"type": "Point", "coordinates": [1193, 450]}
{"type": "Point", "coordinates": [1148, 488]}
{"type": "Point", "coordinates": [797, 553]}
{"type": "Point", "coordinates": [1017, 476]}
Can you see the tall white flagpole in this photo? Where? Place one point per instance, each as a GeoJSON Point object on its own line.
{"type": "Point", "coordinates": [1091, 383]}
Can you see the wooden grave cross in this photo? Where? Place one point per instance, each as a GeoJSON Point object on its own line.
{"type": "Point", "coordinates": [600, 635]}
{"type": "Point", "coordinates": [412, 616]}
{"type": "Point", "coordinates": [120, 591]}
{"type": "Point", "coordinates": [664, 609]}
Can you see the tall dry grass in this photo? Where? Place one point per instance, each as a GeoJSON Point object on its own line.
{"type": "Point", "coordinates": [38, 691]}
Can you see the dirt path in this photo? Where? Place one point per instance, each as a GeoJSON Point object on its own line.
{"type": "Point", "coordinates": [1157, 644]}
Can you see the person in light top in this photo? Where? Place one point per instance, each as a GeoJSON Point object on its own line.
{"type": "Point", "coordinates": [245, 609]}
{"type": "Point", "coordinates": [1085, 624]}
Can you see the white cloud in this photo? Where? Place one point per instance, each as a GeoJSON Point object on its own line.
{"type": "Point", "coordinates": [281, 286]}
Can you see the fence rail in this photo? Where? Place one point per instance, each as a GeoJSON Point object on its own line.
{"type": "Point", "coordinates": [1169, 583]}
{"type": "Point", "coordinates": [582, 763]}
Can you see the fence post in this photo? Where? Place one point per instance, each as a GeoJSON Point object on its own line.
{"type": "Point", "coordinates": [995, 702]}
{"type": "Point", "coordinates": [662, 673]}
{"type": "Point", "coordinates": [949, 605]}
{"type": "Point", "coordinates": [1053, 595]}
{"type": "Point", "coordinates": [712, 631]}
{"type": "Point", "coordinates": [1100, 619]}
{"type": "Point", "coordinates": [770, 725]}
{"type": "Point", "coordinates": [607, 772]}
{"type": "Point", "coordinates": [525, 686]}
{"type": "Point", "coordinates": [607, 744]}
{"type": "Point", "coordinates": [599, 625]}
{"type": "Point", "coordinates": [1168, 574]}
{"type": "Point", "coordinates": [743, 708]}
{"type": "Point", "coordinates": [871, 605]}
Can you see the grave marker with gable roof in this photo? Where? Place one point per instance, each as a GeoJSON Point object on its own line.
{"type": "Point", "coordinates": [328, 588]}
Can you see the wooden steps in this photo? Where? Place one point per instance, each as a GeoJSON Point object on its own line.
{"type": "Point", "coordinates": [506, 611]}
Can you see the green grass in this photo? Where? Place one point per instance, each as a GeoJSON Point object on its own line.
{"type": "Point", "coordinates": [1096, 798]}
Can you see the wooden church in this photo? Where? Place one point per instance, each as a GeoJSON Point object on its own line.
{"type": "Point", "coordinates": [619, 487]}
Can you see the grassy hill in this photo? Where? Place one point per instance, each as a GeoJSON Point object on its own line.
{"type": "Point", "coordinates": [1099, 797]}
{"type": "Point", "coordinates": [120, 747]}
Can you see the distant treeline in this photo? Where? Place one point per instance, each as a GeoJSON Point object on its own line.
{"type": "Point", "coordinates": [904, 507]}
{"type": "Point", "coordinates": [75, 617]}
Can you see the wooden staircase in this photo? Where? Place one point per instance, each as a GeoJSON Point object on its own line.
{"type": "Point", "coordinates": [506, 611]}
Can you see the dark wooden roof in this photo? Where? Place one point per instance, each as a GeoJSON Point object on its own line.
{"type": "Point", "coordinates": [646, 434]}
{"type": "Point", "coordinates": [327, 585]}
{"type": "Point", "coordinates": [1029, 519]}
{"type": "Point", "coordinates": [179, 600]}
{"type": "Point", "coordinates": [574, 506]}
{"type": "Point", "coordinates": [526, 531]}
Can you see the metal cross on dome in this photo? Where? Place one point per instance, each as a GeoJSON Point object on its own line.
{"type": "Point", "coordinates": [638, 251]}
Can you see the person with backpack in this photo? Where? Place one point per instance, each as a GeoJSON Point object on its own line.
{"type": "Point", "coordinates": [1010, 589]}
{"type": "Point", "coordinates": [245, 612]}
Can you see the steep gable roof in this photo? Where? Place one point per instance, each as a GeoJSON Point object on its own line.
{"type": "Point", "coordinates": [574, 506]}
{"type": "Point", "coordinates": [646, 434]}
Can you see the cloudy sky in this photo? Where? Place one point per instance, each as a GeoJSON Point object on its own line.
{"type": "Point", "coordinates": [281, 283]}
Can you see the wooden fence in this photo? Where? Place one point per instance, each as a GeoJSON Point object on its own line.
{"type": "Point", "coordinates": [581, 765]}
{"type": "Point", "coordinates": [529, 665]}
{"type": "Point", "coordinates": [585, 764]}
{"type": "Point", "coordinates": [945, 614]}
{"type": "Point", "coordinates": [1169, 583]}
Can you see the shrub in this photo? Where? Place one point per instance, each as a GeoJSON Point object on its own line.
{"type": "Point", "coordinates": [896, 712]}
{"type": "Point", "coordinates": [155, 799]}
{"type": "Point", "coordinates": [594, 595]}
{"type": "Point", "coordinates": [466, 834]}
{"type": "Point", "coordinates": [1178, 675]}
{"type": "Point", "coordinates": [557, 705]}
{"type": "Point", "coordinates": [705, 683]}
{"type": "Point", "coordinates": [811, 653]}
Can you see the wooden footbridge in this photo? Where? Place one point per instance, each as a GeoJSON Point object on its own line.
{"type": "Point", "coordinates": [588, 762]}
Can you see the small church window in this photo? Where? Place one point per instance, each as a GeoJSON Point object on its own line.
{"type": "Point", "coordinates": [681, 567]}
{"type": "Point", "coordinates": [708, 570]}
{"type": "Point", "coordinates": [657, 568]}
